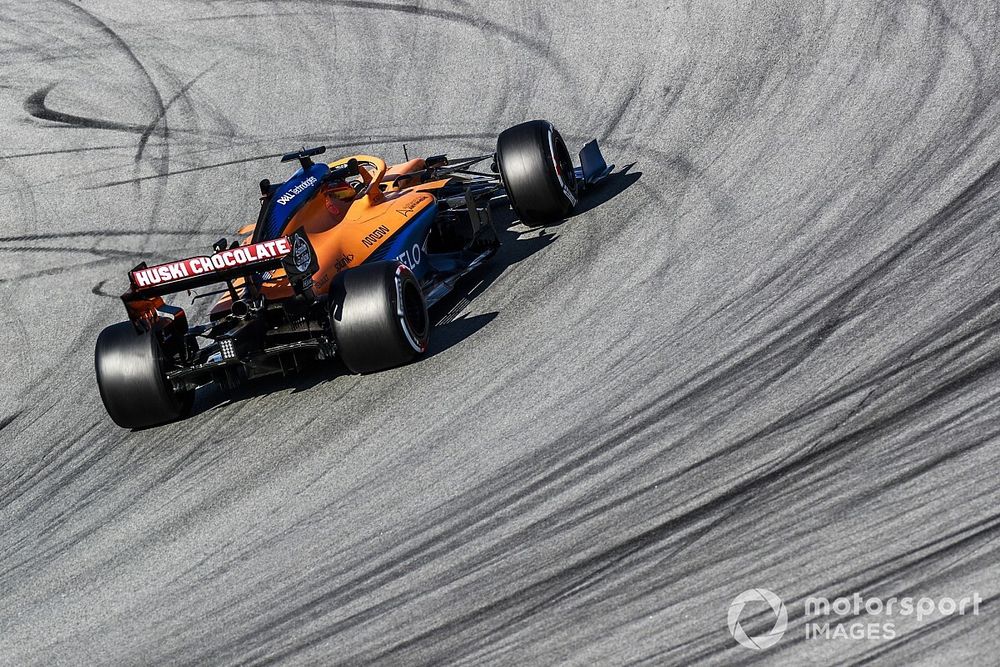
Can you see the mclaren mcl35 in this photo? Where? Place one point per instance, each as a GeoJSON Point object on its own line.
{"type": "Point", "coordinates": [343, 261]}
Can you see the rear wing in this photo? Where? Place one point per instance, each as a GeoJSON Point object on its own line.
{"type": "Point", "coordinates": [223, 266]}
{"type": "Point", "coordinates": [148, 284]}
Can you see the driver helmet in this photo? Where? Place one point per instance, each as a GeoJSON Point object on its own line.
{"type": "Point", "coordinates": [339, 189]}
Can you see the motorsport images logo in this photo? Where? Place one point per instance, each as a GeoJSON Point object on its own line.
{"type": "Point", "coordinates": [854, 617]}
{"type": "Point", "coordinates": [769, 639]}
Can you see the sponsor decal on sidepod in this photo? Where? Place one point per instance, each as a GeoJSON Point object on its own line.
{"type": "Point", "coordinates": [373, 238]}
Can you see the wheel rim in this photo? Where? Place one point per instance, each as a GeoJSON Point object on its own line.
{"type": "Point", "coordinates": [563, 164]}
{"type": "Point", "coordinates": [412, 309]}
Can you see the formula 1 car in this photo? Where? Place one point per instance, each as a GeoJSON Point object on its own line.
{"type": "Point", "coordinates": [344, 260]}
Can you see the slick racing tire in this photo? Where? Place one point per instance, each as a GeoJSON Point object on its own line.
{"type": "Point", "coordinates": [537, 172]}
{"type": "Point", "coordinates": [379, 316]}
{"type": "Point", "coordinates": [131, 379]}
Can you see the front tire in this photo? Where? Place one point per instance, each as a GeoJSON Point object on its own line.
{"type": "Point", "coordinates": [379, 316]}
{"type": "Point", "coordinates": [131, 379]}
{"type": "Point", "coordinates": [537, 172]}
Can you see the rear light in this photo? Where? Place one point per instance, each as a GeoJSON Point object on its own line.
{"type": "Point", "coordinates": [228, 348]}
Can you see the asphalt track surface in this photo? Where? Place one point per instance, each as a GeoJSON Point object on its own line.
{"type": "Point", "coordinates": [766, 355]}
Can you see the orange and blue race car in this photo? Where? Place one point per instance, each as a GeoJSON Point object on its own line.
{"type": "Point", "coordinates": [344, 261]}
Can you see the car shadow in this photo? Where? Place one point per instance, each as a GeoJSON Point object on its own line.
{"type": "Point", "coordinates": [515, 246]}
{"type": "Point", "coordinates": [615, 184]}
{"type": "Point", "coordinates": [451, 326]}
{"type": "Point", "coordinates": [449, 334]}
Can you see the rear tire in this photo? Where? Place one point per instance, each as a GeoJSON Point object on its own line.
{"type": "Point", "coordinates": [131, 379]}
{"type": "Point", "coordinates": [379, 316]}
{"type": "Point", "coordinates": [537, 172]}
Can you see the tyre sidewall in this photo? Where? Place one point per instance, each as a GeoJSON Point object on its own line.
{"type": "Point", "coordinates": [525, 157]}
{"type": "Point", "coordinates": [364, 313]}
{"type": "Point", "coordinates": [129, 367]}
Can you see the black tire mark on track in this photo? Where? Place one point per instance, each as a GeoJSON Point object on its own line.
{"type": "Point", "coordinates": [36, 107]}
{"type": "Point", "coordinates": [100, 234]}
{"type": "Point", "coordinates": [98, 289]}
{"type": "Point", "coordinates": [61, 151]}
{"type": "Point", "coordinates": [160, 116]}
{"type": "Point", "coordinates": [7, 421]}
{"type": "Point", "coordinates": [268, 156]}
{"type": "Point", "coordinates": [104, 257]}
{"type": "Point", "coordinates": [123, 46]}
{"type": "Point", "coordinates": [163, 164]}
{"type": "Point", "coordinates": [617, 115]}
{"type": "Point", "coordinates": [101, 252]}
{"type": "Point", "coordinates": [517, 37]}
